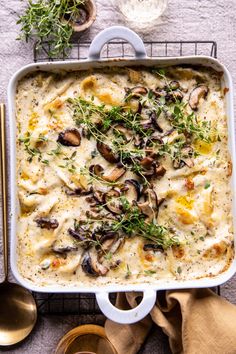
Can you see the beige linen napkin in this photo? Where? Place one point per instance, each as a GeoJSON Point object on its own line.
{"type": "Point", "coordinates": [196, 321]}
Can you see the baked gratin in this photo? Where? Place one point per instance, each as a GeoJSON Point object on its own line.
{"type": "Point", "coordinates": [123, 176]}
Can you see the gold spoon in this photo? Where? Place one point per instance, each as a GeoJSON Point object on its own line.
{"type": "Point", "coordinates": [18, 311]}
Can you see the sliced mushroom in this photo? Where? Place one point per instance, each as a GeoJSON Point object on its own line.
{"type": "Point", "coordinates": [148, 165]}
{"type": "Point", "coordinates": [160, 171]}
{"type": "Point", "coordinates": [78, 192]}
{"type": "Point", "coordinates": [150, 172]}
{"type": "Point", "coordinates": [132, 190]}
{"type": "Point", "coordinates": [108, 235]}
{"type": "Point", "coordinates": [47, 223]}
{"type": "Point", "coordinates": [147, 125]}
{"type": "Point", "coordinates": [92, 201]}
{"type": "Point", "coordinates": [115, 174]}
{"type": "Point", "coordinates": [159, 92]}
{"type": "Point", "coordinates": [187, 153]}
{"type": "Point", "coordinates": [151, 196]}
{"type": "Point", "coordinates": [92, 266]}
{"type": "Point", "coordinates": [174, 85]}
{"type": "Point", "coordinates": [185, 159]}
{"type": "Point", "coordinates": [137, 91]}
{"type": "Point", "coordinates": [153, 117]}
{"type": "Point", "coordinates": [107, 153]}
{"type": "Point", "coordinates": [98, 195]}
{"type": "Point", "coordinates": [150, 205]}
{"type": "Point", "coordinates": [106, 241]}
{"type": "Point", "coordinates": [96, 170]}
{"type": "Point", "coordinates": [116, 245]}
{"type": "Point", "coordinates": [197, 93]}
{"type": "Point", "coordinates": [153, 247]}
{"type": "Point", "coordinates": [147, 162]}
{"type": "Point", "coordinates": [79, 234]}
{"type": "Point", "coordinates": [175, 96]}
{"type": "Point", "coordinates": [146, 209]}
{"type": "Point", "coordinates": [70, 137]}
{"type": "Point", "coordinates": [112, 201]}
{"type": "Point", "coordinates": [177, 164]}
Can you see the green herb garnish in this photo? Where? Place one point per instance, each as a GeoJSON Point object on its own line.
{"type": "Point", "coordinates": [207, 185]}
{"type": "Point", "coordinates": [50, 21]}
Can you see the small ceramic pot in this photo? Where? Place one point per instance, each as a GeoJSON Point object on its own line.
{"type": "Point", "coordinates": [88, 11]}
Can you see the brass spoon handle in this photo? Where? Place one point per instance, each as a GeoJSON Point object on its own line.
{"type": "Point", "coordinates": [4, 188]}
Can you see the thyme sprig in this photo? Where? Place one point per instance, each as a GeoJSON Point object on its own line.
{"type": "Point", "coordinates": [49, 20]}
{"type": "Point", "coordinates": [190, 124]}
{"type": "Point", "coordinates": [133, 223]}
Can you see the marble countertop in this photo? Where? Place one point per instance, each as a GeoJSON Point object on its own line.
{"type": "Point", "coordinates": [183, 20]}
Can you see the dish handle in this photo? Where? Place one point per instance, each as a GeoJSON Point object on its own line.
{"type": "Point", "coordinates": [114, 32]}
{"type": "Point", "coordinates": [126, 316]}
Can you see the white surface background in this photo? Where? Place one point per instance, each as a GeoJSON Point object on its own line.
{"type": "Point", "coordinates": [183, 20]}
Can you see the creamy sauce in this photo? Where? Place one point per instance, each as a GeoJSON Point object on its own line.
{"type": "Point", "coordinates": [197, 200]}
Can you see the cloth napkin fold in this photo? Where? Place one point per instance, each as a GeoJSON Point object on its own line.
{"type": "Point", "coordinates": [196, 321]}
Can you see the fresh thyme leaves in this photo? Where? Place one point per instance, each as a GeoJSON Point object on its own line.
{"type": "Point", "coordinates": [98, 119]}
{"type": "Point", "coordinates": [189, 123]}
{"type": "Point", "coordinates": [69, 163]}
{"type": "Point", "coordinates": [32, 151]}
{"type": "Point", "coordinates": [133, 222]}
{"type": "Point", "coordinates": [207, 185]}
{"type": "Point", "coordinates": [50, 20]}
{"type": "Point", "coordinates": [35, 150]}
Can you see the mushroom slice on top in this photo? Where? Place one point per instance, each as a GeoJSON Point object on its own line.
{"type": "Point", "coordinates": [146, 209]}
{"type": "Point", "coordinates": [70, 137]}
{"type": "Point", "coordinates": [152, 247]}
{"type": "Point", "coordinates": [185, 159]}
{"type": "Point", "coordinates": [78, 192]}
{"type": "Point", "coordinates": [132, 190]}
{"type": "Point", "coordinates": [112, 201]}
{"type": "Point", "coordinates": [79, 234]}
{"type": "Point", "coordinates": [187, 153]}
{"type": "Point", "coordinates": [110, 242]}
{"type": "Point", "coordinates": [160, 171]}
{"type": "Point", "coordinates": [107, 153]}
{"type": "Point", "coordinates": [91, 265]}
{"type": "Point", "coordinates": [151, 196]}
{"type": "Point", "coordinates": [147, 162]}
{"type": "Point", "coordinates": [96, 170]}
{"type": "Point", "coordinates": [174, 85]}
{"type": "Point", "coordinates": [46, 223]}
{"type": "Point", "coordinates": [150, 205]}
{"type": "Point", "coordinates": [115, 174]}
{"type": "Point", "coordinates": [153, 117]}
{"type": "Point", "coordinates": [137, 92]}
{"type": "Point", "coordinates": [197, 93]}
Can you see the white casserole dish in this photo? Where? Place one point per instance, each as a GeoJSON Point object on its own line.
{"type": "Point", "coordinates": [94, 61]}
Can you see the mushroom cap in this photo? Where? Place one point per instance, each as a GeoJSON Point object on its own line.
{"type": "Point", "coordinates": [197, 93]}
{"type": "Point", "coordinates": [70, 137]}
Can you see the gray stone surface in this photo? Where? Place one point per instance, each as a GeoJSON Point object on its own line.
{"type": "Point", "coordinates": [183, 20]}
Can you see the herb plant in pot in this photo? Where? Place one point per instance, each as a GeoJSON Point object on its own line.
{"type": "Point", "coordinates": [54, 21]}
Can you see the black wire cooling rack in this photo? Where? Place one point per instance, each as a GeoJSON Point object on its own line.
{"type": "Point", "coordinates": [85, 304]}
{"type": "Point", "coordinates": [121, 49]}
